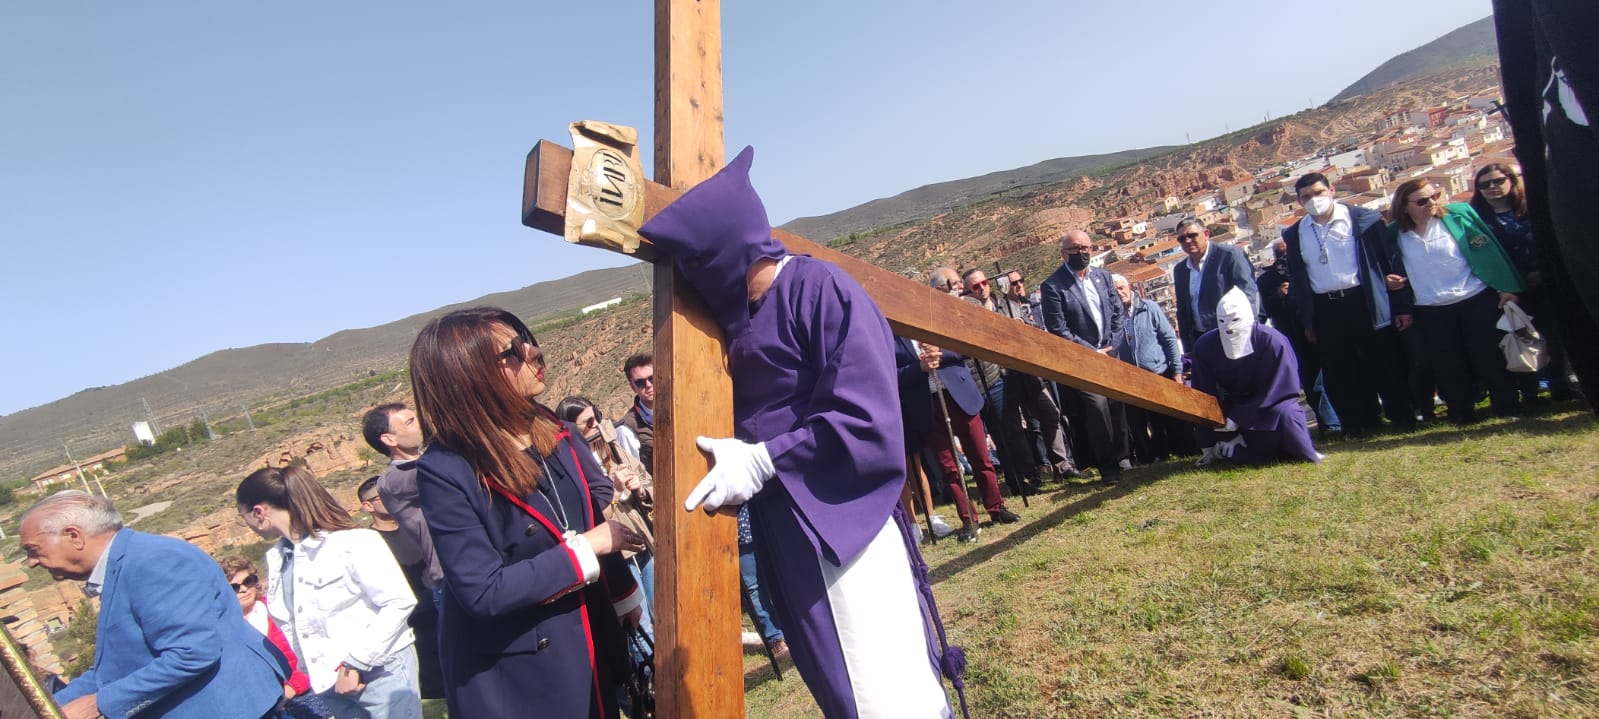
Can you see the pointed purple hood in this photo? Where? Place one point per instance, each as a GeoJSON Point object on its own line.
{"type": "Point", "coordinates": [714, 233]}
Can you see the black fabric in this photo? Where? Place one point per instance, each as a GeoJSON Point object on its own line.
{"type": "Point", "coordinates": [1548, 61]}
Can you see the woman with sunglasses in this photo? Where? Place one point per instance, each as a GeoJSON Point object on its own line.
{"type": "Point", "coordinates": [246, 583]}
{"type": "Point", "coordinates": [534, 578]}
{"type": "Point", "coordinates": [1449, 277]}
{"type": "Point", "coordinates": [334, 589]}
{"type": "Point", "coordinates": [1501, 201]}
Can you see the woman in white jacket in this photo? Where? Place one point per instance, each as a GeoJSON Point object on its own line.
{"type": "Point", "coordinates": [337, 594]}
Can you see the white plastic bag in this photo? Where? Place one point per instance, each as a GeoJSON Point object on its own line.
{"type": "Point", "coordinates": [1524, 348]}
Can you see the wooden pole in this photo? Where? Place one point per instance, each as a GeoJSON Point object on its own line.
{"type": "Point", "coordinates": [699, 661]}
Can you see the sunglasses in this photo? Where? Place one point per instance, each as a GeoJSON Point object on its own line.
{"type": "Point", "coordinates": [521, 350]}
{"type": "Point", "coordinates": [1017, 281]}
{"type": "Point", "coordinates": [1424, 201]}
{"type": "Point", "coordinates": [250, 582]}
{"type": "Point", "coordinates": [1190, 237]}
{"type": "Point", "coordinates": [640, 382]}
{"type": "Point", "coordinates": [1492, 182]}
{"type": "Point", "coordinates": [984, 283]}
{"type": "Point", "coordinates": [369, 500]}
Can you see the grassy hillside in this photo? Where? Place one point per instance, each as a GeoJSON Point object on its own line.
{"type": "Point", "coordinates": [1442, 573]}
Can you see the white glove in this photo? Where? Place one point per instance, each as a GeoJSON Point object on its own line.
{"type": "Point", "coordinates": [738, 471]}
{"type": "Point", "coordinates": [1226, 449]}
{"type": "Point", "coordinates": [1231, 426]}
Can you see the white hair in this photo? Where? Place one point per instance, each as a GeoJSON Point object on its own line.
{"type": "Point", "coordinates": [1118, 277]}
{"type": "Point", "coordinates": [75, 508]}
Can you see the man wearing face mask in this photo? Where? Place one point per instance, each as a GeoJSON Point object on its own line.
{"type": "Point", "coordinates": [1336, 268]}
{"type": "Point", "coordinates": [1251, 371]}
{"type": "Point", "coordinates": [1080, 304]}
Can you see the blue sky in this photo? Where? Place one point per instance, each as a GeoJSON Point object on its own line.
{"type": "Point", "coordinates": [178, 178]}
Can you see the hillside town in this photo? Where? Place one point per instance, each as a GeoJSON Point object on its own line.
{"type": "Point", "coordinates": [1443, 144]}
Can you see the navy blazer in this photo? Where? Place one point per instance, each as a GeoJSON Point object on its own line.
{"type": "Point", "coordinates": [1226, 266]}
{"type": "Point", "coordinates": [171, 640]}
{"type": "Point", "coordinates": [1065, 308]}
{"type": "Point", "coordinates": [517, 623]}
{"type": "Point", "coordinates": [1370, 250]}
{"type": "Point", "coordinates": [916, 398]}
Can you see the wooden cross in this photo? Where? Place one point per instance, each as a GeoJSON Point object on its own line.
{"type": "Point", "coordinates": [698, 661]}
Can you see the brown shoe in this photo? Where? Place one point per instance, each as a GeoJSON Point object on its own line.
{"type": "Point", "coordinates": [779, 650]}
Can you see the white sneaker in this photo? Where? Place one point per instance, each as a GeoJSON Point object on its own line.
{"type": "Point", "coordinates": [941, 529]}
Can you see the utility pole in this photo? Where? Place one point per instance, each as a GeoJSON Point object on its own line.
{"type": "Point", "coordinates": [246, 407]}
{"type": "Point", "coordinates": [209, 433]}
{"type": "Point", "coordinates": [81, 476]}
{"type": "Point", "coordinates": [155, 431]}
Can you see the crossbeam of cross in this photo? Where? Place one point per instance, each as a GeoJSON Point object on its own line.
{"type": "Point", "coordinates": [699, 668]}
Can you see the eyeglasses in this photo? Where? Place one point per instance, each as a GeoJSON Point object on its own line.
{"type": "Point", "coordinates": [522, 350]}
{"type": "Point", "coordinates": [1190, 237]}
{"type": "Point", "coordinates": [1017, 281]}
{"type": "Point", "coordinates": [640, 382]}
{"type": "Point", "coordinates": [1492, 182]}
{"type": "Point", "coordinates": [250, 582]}
{"type": "Point", "coordinates": [369, 500]}
{"type": "Point", "coordinates": [1424, 201]}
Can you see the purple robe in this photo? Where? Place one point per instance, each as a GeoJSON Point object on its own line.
{"type": "Point", "coordinates": [1260, 393]}
{"type": "Point", "coordinates": [814, 379]}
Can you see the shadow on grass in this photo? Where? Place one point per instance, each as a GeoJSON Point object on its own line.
{"type": "Point", "coordinates": [1555, 421]}
{"type": "Point", "coordinates": [1089, 497]}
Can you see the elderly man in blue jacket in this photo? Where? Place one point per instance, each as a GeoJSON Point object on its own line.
{"type": "Point", "coordinates": [171, 641]}
{"type": "Point", "coordinates": [1150, 343]}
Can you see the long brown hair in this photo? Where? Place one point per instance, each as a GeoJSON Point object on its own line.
{"type": "Point", "coordinates": [467, 404]}
{"type": "Point", "coordinates": [311, 508]}
{"type": "Point", "coordinates": [1517, 194]}
{"type": "Point", "coordinates": [1398, 207]}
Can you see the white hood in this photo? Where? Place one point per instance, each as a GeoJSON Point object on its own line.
{"type": "Point", "coordinates": [1235, 321]}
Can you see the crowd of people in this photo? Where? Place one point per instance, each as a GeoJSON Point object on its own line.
{"type": "Point", "coordinates": [510, 557]}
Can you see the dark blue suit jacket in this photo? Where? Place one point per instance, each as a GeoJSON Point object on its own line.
{"type": "Point", "coordinates": [1226, 267]}
{"type": "Point", "coordinates": [171, 640]}
{"type": "Point", "coordinates": [1065, 308]}
{"type": "Point", "coordinates": [916, 399]}
{"type": "Point", "coordinates": [516, 622]}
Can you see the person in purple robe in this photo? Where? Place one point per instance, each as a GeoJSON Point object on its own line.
{"type": "Point", "coordinates": [1252, 372]}
{"type": "Point", "coordinates": [818, 455]}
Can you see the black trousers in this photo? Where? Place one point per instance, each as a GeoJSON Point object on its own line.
{"type": "Point", "coordinates": [1359, 364]}
{"type": "Point", "coordinates": [1027, 399]}
{"type": "Point", "coordinates": [1102, 423]}
{"type": "Point", "coordinates": [1462, 344]}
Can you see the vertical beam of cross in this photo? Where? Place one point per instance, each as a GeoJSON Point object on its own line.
{"type": "Point", "coordinates": [699, 663]}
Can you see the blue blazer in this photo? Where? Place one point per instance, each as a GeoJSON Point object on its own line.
{"type": "Point", "coordinates": [916, 399]}
{"type": "Point", "coordinates": [1225, 268]}
{"type": "Point", "coordinates": [171, 641]}
{"type": "Point", "coordinates": [1065, 308]}
{"type": "Point", "coordinates": [517, 628]}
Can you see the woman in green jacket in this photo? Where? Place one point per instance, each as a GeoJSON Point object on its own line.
{"type": "Point", "coordinates": [1449, 278]}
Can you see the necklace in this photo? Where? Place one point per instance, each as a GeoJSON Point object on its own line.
{"type": "Point", "coordinates": [1321, 238]}
{"type": "Point", "coordinates": [554, 497]}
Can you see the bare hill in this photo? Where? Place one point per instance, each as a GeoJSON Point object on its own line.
{"type": "Point", "coordinates": [99, 418]}
{"type": "Point", "coordinates": [1474, 43]}
{"type": "Point", "coordinates": [929, 200]}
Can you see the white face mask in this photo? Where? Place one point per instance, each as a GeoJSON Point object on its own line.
{"type": "Point", "coordinates": [1319, 205]}
{"type": "Point", "coordinates": [1235, 320]}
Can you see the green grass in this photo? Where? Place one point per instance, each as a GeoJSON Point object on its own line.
{"type": "Point", "coordinates": [1443, 572]}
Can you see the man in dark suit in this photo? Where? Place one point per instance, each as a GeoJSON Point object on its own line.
{"type": "Point", "coordinates": [1336, 266]}
{"type": "Point", "coordinates": [171, 641]}
{"type": "Point", "coordinates": [1210, 271]}
{"type": "Point", "coordinates": [924, 412]}
{"type": "Point", "coordinates": [1080, 303]}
